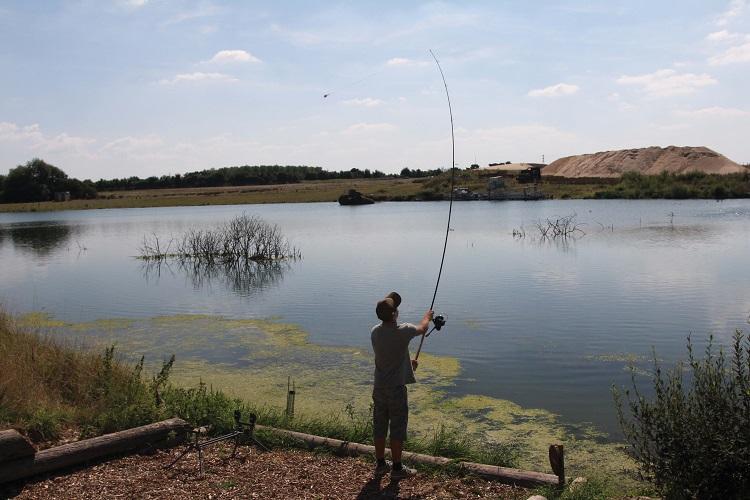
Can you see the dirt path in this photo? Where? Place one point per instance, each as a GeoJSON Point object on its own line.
{"type": "Point", "coordinates": [276, 474]}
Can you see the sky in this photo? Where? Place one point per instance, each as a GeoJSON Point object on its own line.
{"type": "Point", "coordinates": [116, 88]}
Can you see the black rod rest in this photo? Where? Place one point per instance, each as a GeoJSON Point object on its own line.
{"type": "Point", "coordinates": [243, 431]}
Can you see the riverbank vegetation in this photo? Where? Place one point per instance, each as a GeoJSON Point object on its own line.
{"type": "Point", "coordinates": [633, 185]}
{"type": "Point", "coordinates": [692, 439]}
{"type": "Point", "coordinates": [50, 390]}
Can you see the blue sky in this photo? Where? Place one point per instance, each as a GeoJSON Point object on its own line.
{"type": "Point", "coordinates": [148, 87]}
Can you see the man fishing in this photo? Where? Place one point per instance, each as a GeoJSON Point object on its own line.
{"type": "Point", "coordinates": [393, 371]}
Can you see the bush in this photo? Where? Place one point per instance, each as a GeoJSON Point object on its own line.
{"type": "Point", "coordinates": [693, 441]}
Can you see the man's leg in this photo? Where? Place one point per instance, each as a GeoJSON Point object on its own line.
{"type": "Point", "coordinates": [396, 446]}
{"type": "Point", "coordinates": [380, 418]}
{"type": "Point", "coordinates": [380, 448]}
{"type": "Point", "coordinates": [399, 413]}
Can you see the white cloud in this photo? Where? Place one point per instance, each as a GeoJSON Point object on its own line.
{"type": "Point", "coordinates": [199, 77]}
{"type": "Point", "coordinates": [12, 132]}
{"type": "Point", "coordinates": [621, 105]}
{"type": "Point", "coordinates": [31, 136]}
{"type": "Point", "coordinates": [557, 90]}
{"type": "Point", "coordinates": [368, 128]}
{"type": "Point", "coordinates": [231, 56]}
{"type": "Point", "coordinates": [132, 147]}
{"type": "Point", "coordinates": [204, 10]}
{"type": "Point", "coordinates": [734, 10]}
{"type": "Point", "coordinates": [403, 61]}
{"type": "Point", "coordinates": [715, 111]}
{"type": "Point", "coordinates": [367, 102]}
{"type": "Point", "coordinates": [736, 54]}
{"type": "Point", "coordinates": [132, 4]}
{"type": "Point", "coordinates": [668, 82]}
{"type": "Point", "coordinates": [722, 36]}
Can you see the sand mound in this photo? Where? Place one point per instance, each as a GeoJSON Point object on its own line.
{"type": "Point", "coordinates": [649, 161]}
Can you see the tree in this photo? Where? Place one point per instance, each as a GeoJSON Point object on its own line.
{"type": "Point", "coordinates": [38, 181]}
{"type": "Point", "coordinates": [35, 181]}
{"type": "Point", "coordinates": [474, 166]}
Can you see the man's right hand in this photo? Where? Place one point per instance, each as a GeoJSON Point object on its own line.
{"type": "Point", "coordinates": [424, 325]}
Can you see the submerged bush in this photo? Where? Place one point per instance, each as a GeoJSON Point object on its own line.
{"type": "Point", "coordinates": [243, 239]}
{"type": "Point", "coordinates": [693, 440]}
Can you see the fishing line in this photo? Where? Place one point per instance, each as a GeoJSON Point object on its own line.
{"type": "Point", "coordinates": [439, 321]}
{"type": "Point", "coordinates": [351, 84]}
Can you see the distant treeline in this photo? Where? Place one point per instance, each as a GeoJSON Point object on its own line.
{"type": "Point", "coordinates": [39, 181]}
{"type": "Point", "coordinates": [236, 176]}
{"type": "Point", "coordinates": [250, 175]}
{"type": "Point", "coordinates": [634, 185]}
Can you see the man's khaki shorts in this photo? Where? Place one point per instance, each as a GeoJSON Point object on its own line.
{"type": "Point", "coordinates": [391, 405]}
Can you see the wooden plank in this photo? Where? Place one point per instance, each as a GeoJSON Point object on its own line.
{"type": "Point", "coordinates": [13, 445]}
{"type": "Point", "coordinates": [95, 449]}
{"type": "Point", "coordinates": [503, 474]}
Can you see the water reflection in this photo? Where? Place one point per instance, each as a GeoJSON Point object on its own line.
{"type": "Point", "coordinates": [41, 239]}
{"type": "Point", "coordinates": [672, 234]}
{"type": "Point", "coordinates": [244, 279]}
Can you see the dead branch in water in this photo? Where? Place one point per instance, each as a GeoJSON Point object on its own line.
{"type": "Point", "coordinates": [560, 227]}
{"type": "Point", "coordinates": [241, 240]}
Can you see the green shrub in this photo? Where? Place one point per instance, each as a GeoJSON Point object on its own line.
{"type": "Point", "coordinates": [693, 440]}
{"type": "Point", "coordinates": [45, 424]}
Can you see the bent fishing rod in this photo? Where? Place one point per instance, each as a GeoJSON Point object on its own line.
{"type": "Point", "coordinates": [439, 321]}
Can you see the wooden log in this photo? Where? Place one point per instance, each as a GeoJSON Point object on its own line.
{"type": "Point", "coordinates": [13, 445]}
{"type": "Point", "coordinates": [503, 474]}
{"type": "Point", "coordinates": [67, 455]}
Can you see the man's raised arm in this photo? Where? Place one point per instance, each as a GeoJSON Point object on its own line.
{"type": "Point", "coordinates": [425, 323]}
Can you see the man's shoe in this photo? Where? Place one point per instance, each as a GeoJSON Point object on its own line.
{"type": "Point", "coordinates": [382, 469]}
{"type": "Point", "coordinates": [402, 473]}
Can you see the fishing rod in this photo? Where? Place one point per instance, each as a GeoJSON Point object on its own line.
{"type": "Point", "coordinates": [439, 321]}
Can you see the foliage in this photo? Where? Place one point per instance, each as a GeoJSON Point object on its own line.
{"type": "Point", "coordinates": [408, 173]}
{"type": "Point", "coordinates": [634, 185]}
{"type": "Point", "coordinates": [39, 181]}
{"type": "Point", "coordinates": [693, 440]}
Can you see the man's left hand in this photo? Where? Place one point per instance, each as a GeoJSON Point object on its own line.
{"type": "Point", "coordinates": [414, 364]}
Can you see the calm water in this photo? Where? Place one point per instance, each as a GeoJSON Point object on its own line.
{"type": "Point", "coordinates": [546, 325]}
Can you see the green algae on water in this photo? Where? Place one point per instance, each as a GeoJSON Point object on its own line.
{"type": "Point", "coordinates": [252, 358]}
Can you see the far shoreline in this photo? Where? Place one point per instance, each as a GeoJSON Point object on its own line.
{"type": "Point", "coordinates": [404, 189]}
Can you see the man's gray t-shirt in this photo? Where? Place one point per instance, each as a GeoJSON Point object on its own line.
{"type": "Point", "coordinates": [391, 346]}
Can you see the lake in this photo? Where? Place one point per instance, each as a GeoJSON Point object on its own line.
{"type": "Point", "coordinates": [544, 324]}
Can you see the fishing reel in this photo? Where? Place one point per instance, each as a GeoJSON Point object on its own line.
{"type": "Point", "coordinates": [438, 322]}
